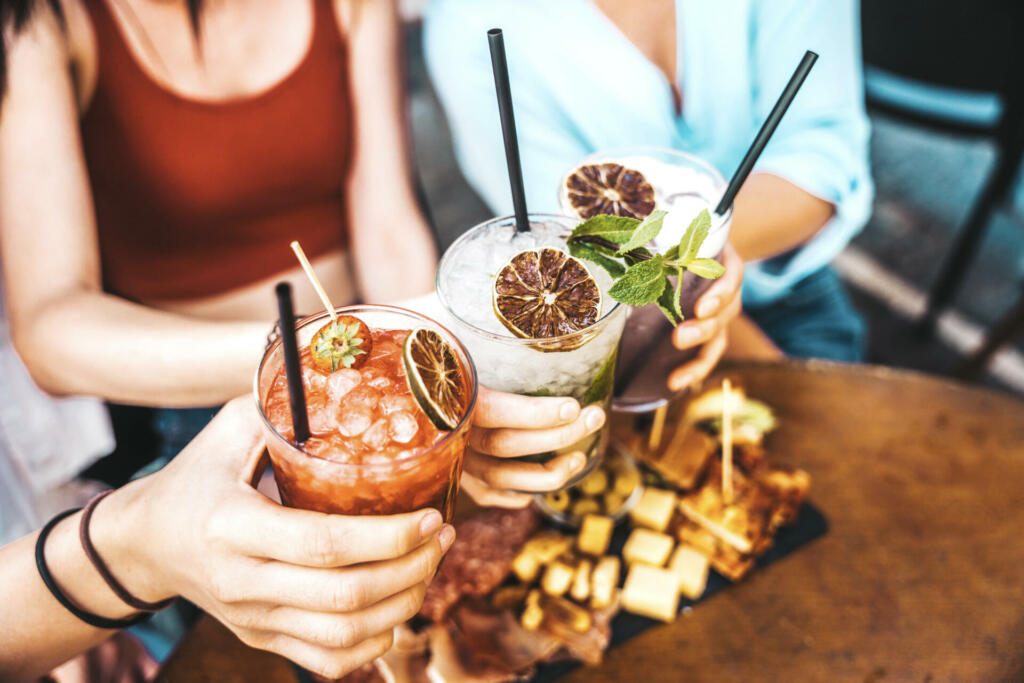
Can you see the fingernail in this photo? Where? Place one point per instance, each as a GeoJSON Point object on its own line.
{"type": "Point", "coordinates": [569, 410]}
{"type": "Point", "coordinates": [577, 462]}
{"type": "Point", "coordinates": [595, 418]}
{"type": "Point", "coordinates": [430, 523]}
{"type": "Point", "coordinates": [685, 336]}
{"type": "Point", "coordinates": [446, 537]}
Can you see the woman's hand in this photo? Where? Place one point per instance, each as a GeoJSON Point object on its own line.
{"type": "Point", "coordinates": [509, 426]}
{"type": "Point", "coordinates": [715, 309]}
{"type": "Point", "coordinates": [322, 590]}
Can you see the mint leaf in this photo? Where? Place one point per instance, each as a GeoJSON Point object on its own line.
{"type": "Point", "coordinates": [617, 229]}
{"type": "Point", "coordinates": [630, 256]}
{"type": "Point", "coordinates": [642, 283]}
{"type": "Point", "coordinates": [665, 306]}
{"type": "Point", "coordinates": [672, 254]}
{"type": "Point", "coordinates": [592, 253]}
{"type": "Point", "coordinates": [678, 293]}
{"type": "Point", "coordinates": [645, 232]}
{"type": "Point", "coordinates": [694, 237]}
{"type": "Point", "coordinates": [706, 267]}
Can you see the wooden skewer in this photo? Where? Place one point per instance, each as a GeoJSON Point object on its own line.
{"type": "Point", "coordinates": [314, 280]}
{"type": "Point", "coordinates": [727, 493]}
{"type": "Point", "coordinates": [658, 427]}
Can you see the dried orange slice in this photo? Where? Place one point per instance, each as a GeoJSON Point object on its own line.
{"type": "Point", "coordinates": [342, 343]}
{"type": "Point", "coordinates": [434, 374]}
{"type": "Point", "coordinates": [546, 293]}
{"type": "Point", "coordinates": [611, 189]}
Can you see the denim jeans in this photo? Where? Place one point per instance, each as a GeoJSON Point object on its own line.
{"type": "Point", "coordinates": [815, 320]}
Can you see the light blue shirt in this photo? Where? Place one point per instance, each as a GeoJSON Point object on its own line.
{"type": "Point", "coordinates": [579, 85]}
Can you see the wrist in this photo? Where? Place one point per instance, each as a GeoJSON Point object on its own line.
{"type": "Point", "coordinates": [127, 542]}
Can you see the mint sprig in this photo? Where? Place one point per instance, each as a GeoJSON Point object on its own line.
{"type": "Point", "coordinates": [642, 277]}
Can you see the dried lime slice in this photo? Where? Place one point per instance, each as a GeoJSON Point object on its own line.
{"type": "Point", "coordinates": [434, 374]}
{"type": "Point", "coordinates": [342, 343]}
{"type": "Point", "coordinates": [610, 189]}
{"type": "Point", "coordinates": [546, 293]}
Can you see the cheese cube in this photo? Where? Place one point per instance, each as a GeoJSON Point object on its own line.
{"type": "Point", "coordinates": [595, 535]}
{"type": "Point", "coordinates": [603, 581]}
{"type": "Point", "coordinates": [526, 566]}
{"type": "Point", "coordinates": [691, 568]}
{"type": "Point", "coordinates": [580, 590]}
{"type": "Point", "coordinates": [557, 578]}
{"type": "Point", "coordinates": [652, 592]}
{"type": "Point", "coordinates": [648, 547]}
{"type": "Point", "coordinates": [654, 509]}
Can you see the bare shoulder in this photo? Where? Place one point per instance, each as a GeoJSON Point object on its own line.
{"type": "Point", "coordinates": [61, 44]}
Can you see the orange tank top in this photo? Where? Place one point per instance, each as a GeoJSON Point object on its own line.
{"type": "Point", "coordinates": [197, 198]}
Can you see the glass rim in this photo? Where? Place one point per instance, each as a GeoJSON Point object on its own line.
{"type": "Point", "coordinates": [509, 338]}
{"type": "Point", "coordinates": [345, 310]}
{"type": "Point", "coordinates": [612, 152]}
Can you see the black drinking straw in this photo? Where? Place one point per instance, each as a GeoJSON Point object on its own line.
{"type": "Point", "coordinates": [767, 130]}
{"type": "Point", "coordinates": [296, 392]}
{"type": "Point", "coordinates": [508, 127]}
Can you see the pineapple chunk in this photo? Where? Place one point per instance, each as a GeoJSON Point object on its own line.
{"type": "Point", "coordinates": [595, 535]}
{"type": "Point", "coordinates": [526, 566]}
{"type": "Point", "coordinates": [557, 578]}
{"type": "Point", "coordinates": [691, 568]}
{"type": "Point", "coordinates": [603, 581]}
{"type": "Point", "coordinates": [533, 614]}
{"type": "Point", "coordinates": [580, 590]}
{"type": "Point", "coordinates": [586, 506]}
{"type": "Point", "coordinates": [626, 481]}
{"type": "Point", "coordinates": [654, 509]}
{"type": "Point", "coordinates": [647, 547]}
{"type": "Point", "coordinates": [613, 502]}
{"type": "Point", "coordinates": [652, 592]}
{"type": "Point", "coordinates": [595, 483]}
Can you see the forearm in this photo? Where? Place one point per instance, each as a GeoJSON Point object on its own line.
{"type": "Point", "coordinates": [95, 344]}
{"type": "Point", "coordinates": [397, 260]}
{"type": "Point", "coordinates": [37, 632]}
{"type": "Point", "coordinates": [772, 215]}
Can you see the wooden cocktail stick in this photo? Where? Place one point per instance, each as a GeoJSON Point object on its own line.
{"type": "Point", "coordinates": [658, 427]}
{"type": "Point", "coordinates": [727, 442]}
{"type": "Point", "coordinates": [306, 266]}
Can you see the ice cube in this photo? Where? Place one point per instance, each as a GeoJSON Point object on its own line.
{"type": "Point", "coordinates": [362, 397]}
{"type": "Point", "coordinates": [392, 403]}
{"type": "Point", "coordinates": [353, 421]}
{"type": "Point", "coordinates": [385, 349]}
{"type": "Point", "coordinates": [402, 426]}
{"type": "Point", "coordinates": [341, 382]}
{"type": "Point", "coordinates": [379, 383]}
{"type": "Point", "coordinates": [377, 435]}
{"type": "Point", "coordinates": [321, 420]}
{"type": "Point", "coordinates": [314, 381]}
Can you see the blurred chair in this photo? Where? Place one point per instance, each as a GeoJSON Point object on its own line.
{"type": "Point", "coordinates": [955, 66]}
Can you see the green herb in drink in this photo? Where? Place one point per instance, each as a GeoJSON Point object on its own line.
{"type": "Point", "coordinates": [643, 278]}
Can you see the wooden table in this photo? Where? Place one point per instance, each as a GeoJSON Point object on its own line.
{"type": "Point", "coordinates": [920, 578]}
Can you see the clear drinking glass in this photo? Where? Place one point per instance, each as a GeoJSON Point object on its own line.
{"type": "Point", "coordinates": [683, 186]}
{"type": "Point", "coordinates": [581, 365]}
{"type": "Point", "coordinates": [382, 482]}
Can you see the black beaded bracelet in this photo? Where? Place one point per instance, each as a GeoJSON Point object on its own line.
{"type": "Point", "coordinates": [51, 585]}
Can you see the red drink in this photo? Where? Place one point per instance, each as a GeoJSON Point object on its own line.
{"type": "Point", "coordinates": [372, 450]}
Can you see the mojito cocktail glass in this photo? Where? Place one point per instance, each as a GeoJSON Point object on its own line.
{"type": "Point", "coordinates": [373, 451]}
{"type": "Point", "coordinates": [580, 365]}
{"type": "Point", "coordinates": [683, 186]}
